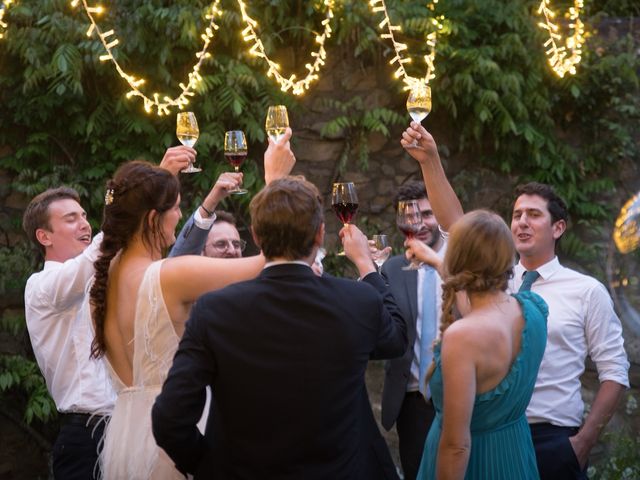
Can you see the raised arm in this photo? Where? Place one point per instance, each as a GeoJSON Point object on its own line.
{"type": "Point", "coordinates": [421, 146]}
{"type": "Point", "coordinates": [186, 278]}
{"type": "Point", "coordinates": [278, 159]}
{"type": "Point", "coordinates": [193, 236]}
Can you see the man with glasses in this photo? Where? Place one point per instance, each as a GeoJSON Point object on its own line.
{"type": "Point", "coordinates": [224, 240]}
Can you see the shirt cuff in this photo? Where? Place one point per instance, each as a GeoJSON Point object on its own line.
{"type": "Point", "coordinates": [203, 223]}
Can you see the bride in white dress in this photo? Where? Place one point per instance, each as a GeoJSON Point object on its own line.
{"type": "Point", "coordinates": [141, 302]}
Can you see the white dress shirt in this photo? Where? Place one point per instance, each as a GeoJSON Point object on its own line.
{"type": "Point", "coordinates": [412, 385]}
{"type": "Point", "coordinates": [581, 322]}
{"type": "Point", "coordinates": [61, 331]}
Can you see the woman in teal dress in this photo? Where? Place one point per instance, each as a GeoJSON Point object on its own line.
{"type": "Point", "coordinates": [486, 365]}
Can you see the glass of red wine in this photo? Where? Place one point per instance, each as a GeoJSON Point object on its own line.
{"type": "Point", "coordinates": [409, 221]}
{"type": "Point", "coordinates": [235, 151]}
{"type": "Point", "coordinates": [344, 201]}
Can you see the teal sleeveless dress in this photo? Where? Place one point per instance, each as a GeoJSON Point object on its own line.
{"type": "Point", "coordinates": [501, 446]}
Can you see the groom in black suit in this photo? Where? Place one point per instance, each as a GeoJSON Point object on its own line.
{"type": "Point", "coordinates": [286, 355]}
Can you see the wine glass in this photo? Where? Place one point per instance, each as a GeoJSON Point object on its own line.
{"type": "Point", "coordinates": [344, 201]}
{"type": "Point", "coordinates": [419, 104]}
{"type": "Point", "coordinates": [409, 221]}
{"type": "Point", "coordinates": [235, 151]}
{"type": "Point", "coordinates": [187, 132]}
{"type": "Point", "coordinates": [277, 121]}
{"type": "Point", "coordinates": [380, 252]}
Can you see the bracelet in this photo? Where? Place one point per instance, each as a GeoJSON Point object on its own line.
{"type": "Point", "coordinates": [209, 213]}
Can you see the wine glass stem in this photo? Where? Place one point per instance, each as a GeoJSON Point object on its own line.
{"type": "Point", "coordinates": [237, 169]}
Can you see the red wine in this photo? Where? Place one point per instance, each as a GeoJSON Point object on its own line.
{"type": "Point", "coordinates": [345, 211]}
{"type": "Point", "coordinates": [235, 159]}
{"type": "Point", "coordinates": [408, 229]}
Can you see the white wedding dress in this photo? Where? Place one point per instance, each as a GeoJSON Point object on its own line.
{"type": "Point", "coordinates": [130, 451]}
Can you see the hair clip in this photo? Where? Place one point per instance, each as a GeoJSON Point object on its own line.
{"type": "Point", "coordinates": [108, 197]}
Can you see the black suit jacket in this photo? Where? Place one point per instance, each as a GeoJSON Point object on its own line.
{"type": "Point", "coordinates": [404, 287]}
{"type": "Point", "coordinates": [285, 355]}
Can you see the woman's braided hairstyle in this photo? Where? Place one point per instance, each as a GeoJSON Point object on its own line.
{"type": "Point", "coordinates": [136, 189]}
{"type": "Point", "coordinates": [480, 258]}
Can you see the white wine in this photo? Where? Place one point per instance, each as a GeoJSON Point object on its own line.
{"type": "Point", "coordinates": [380, 257]}
{"type": "Point", "coordinates": [418, 114]}
{"type": "Point", "coordinates": [276, 133]}
{"type": "Point", "coordinates": [188, 140]}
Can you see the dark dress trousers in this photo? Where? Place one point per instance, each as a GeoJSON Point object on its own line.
{"type": "Point", "coordinates": [409, 411]}
{"type": "Point", "coordinates": [285, 355]}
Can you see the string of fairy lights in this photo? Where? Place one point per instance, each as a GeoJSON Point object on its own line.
{"type": "Point", "coordinates": [162, 105]}
{"type": "Point", "coordinates": [563, 56]}
{"type": "Point", "coordinates": [411, 83]}
{"type": "Point", "coordinates": [297, 87]}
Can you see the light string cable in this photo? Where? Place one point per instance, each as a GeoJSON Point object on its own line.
{"type": "Point", "coordinates": [162, 106]}
{"type": "Point", "coordinates": [3, 9]}
{"type": "Point", "coordinates": [297, 87]}
{"type": "Point", "coordinates": [411, 83]}
{"type": "Point", "coordinates": [563, 59]}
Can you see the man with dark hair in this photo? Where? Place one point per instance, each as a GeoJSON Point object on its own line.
{"type": "Point", "coordinates": [224, 239]}
{"type": "Point", "coordinates": [285, 355]}
{"type": "Point", "coordinates": [418, 294]}
{"type": "Point", "coordinates": [581, 322]}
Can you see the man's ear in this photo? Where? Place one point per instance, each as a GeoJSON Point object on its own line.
{"type": "Point", "coordinates": [319, 238]}
{"type": "Point", "coordinates": [44, 237]}
{"type": "Point", "coordinates": [559, 228]}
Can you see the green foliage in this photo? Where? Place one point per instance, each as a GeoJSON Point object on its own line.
{"type": "Point", "coordinates": [23, 376]}
{"type": "Point", "coordinates": [355, 122]}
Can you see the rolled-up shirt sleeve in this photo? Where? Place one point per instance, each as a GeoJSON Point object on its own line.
{"type": "Point", "coordinates": [605, 343]}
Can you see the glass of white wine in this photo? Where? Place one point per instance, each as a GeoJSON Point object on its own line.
{"type": "Point", "coordinates": [277, 122]}
{"type": "Point", "coordinates": [187, 132]}
{"type": "Point", "coordinates": [380, 250]}
{"type": "Point", "coordinates": [419, 102]}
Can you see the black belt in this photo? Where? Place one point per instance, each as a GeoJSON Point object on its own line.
{"type": "Point", "coordinates": [80, 419]}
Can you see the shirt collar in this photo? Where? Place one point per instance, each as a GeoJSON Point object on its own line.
{"type": "Point", "coordinates": [285, 262]}
{"type": "Point", "coordinates": [545, 271]}
{"type": "Point", "coordinates": [50, 264]}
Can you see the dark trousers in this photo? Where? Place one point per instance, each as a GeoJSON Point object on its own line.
{"type": "Point", "coordinates": [75, 453]}
{"type": "Point", "coordinates": [412, 425]}
{"type": "Point", "coordinates": [554, 453]}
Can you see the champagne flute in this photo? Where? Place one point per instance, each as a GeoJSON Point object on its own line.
{"type": "Point", "coordinates": [381, 253]}
{"type": "Point", "coordinates": [344, 201]}
{"type": "Point", "coordinates": [235, 151]}
{"type": "Point", "coordinates": [277, 121]}
{"type": "Point", "coordinates": [409, 221]}
{"type": "Point", "coordinates": [187, 132]}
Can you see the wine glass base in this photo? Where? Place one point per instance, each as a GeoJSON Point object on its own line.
{"type": "Point", "coordinates": [191, 169]}
{"type": "Point", "coordinates": [341, 253]}
{"type": "Point", "coordinates": [239, 191]}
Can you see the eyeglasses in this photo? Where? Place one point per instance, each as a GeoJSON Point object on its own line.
{"type": "Point", "coordinates": [221, 245]}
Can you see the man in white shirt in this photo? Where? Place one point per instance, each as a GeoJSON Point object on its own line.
{"type": "Point", "coordinates": [59, 320]}
{"type": "Point", "coordinates": [402, 401]}
{"type": "Point", "coordinates": [581, 322]}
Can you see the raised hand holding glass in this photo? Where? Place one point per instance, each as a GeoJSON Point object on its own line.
{"type": "Point", "coordinates": [235, 151]}
{"type": "Point", "coordinates": [277, 121]}
{"type": "Point", "coordinates": [344, 201]}
{"type": "Point", "coordinates": [409, 221]}
{"type": "Point", "coordinates": [187, 132]}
